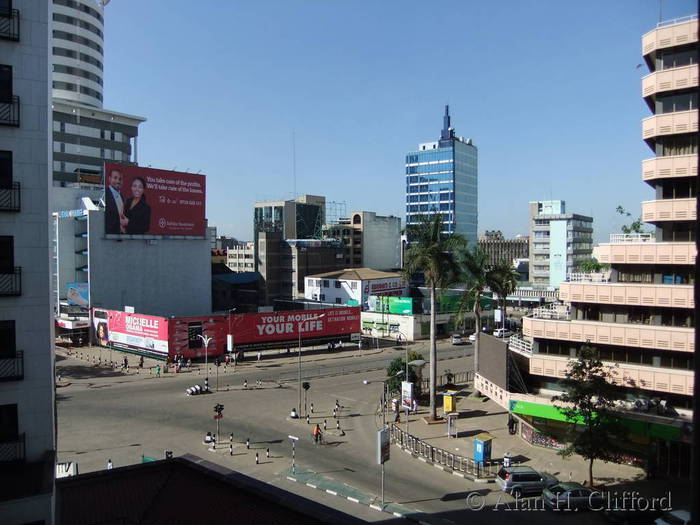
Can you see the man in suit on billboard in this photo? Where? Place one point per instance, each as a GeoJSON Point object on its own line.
{"type": "Point", "coordinates": [114, 203]}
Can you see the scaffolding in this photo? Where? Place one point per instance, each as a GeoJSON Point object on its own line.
{"type": "Point", "coordinates": [336, 210]}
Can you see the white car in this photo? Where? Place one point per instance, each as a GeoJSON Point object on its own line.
{"type": "Point", "coordinates": [457, 339]}
{"type": "Point", "coordinates": [502, 332]}
{"type": "Point", "coordinates": [472, 337]}
{"type": "Point", "coordinates": [674, 517]}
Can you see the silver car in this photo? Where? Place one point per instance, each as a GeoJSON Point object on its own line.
{"type": "Point", "coordinates": [520, 481]}
{"type": "Point", "coordinates": [571, 496]}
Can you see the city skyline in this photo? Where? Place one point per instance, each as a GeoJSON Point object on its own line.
{"type": "Point", "coordinates": [354, 106]}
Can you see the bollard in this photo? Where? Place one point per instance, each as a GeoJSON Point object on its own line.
{"type": "Point", "coordinates": [307, 419]}
{"type": "Point", "coordinates": [245, 383]}
{"type": "Point", "coordinates": [337, 424]}
{"type": "Point", "coordinates": [324, 424]}
{"type": "Point", "coordinates": [247, 443]}
{"type": "Point", "coordinates": [312, 408]}
{"type": "Point", "coordinates": [257, 460]}
{"type": "Point", "coordinates": [267, 453]}
{"type": "Point", "coordinates": [230, 449]}
{"type": "Point", "coordinates": [334, 416]}
{"type": "Point", "coordinates": [230, 438]}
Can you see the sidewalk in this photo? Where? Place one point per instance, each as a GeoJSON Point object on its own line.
{"type": "Point", "coordinates": [484, 415]}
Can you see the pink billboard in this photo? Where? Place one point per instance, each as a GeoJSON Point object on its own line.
{"type": "Point", "coordinates": [137, 331]}
{"type": "Point", "coordinates": [147, 201]}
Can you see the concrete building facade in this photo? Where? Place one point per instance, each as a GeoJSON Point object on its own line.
{"type": "Point", "coordinates": [502, 250]}
{"type": "Point", "coordinates": [639, 315]}
{"type": "Point", "coordinates": [157, 276]}
{"type": "Point", "coordinates": [370, 240]}
{"type": "Point", "coordinates": [27, 424]}
{"type": "Point", "coordinates": [559, 242]}
{"type": "Point", "coordinates": [241, 257]}
{"type": "Point", "coordinates": [442, 177]}
{"type": "Point", "coordinates": [301, 218]}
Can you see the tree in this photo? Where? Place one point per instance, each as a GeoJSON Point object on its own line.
{"type": "Point", "coordinates": [634, 226]}
{"type": "Point", "coordinates": [399, 364]}
{"type": "Point", "coordinates": [503, 279]}
{"type": "Point", "coordinates": [432, 252]}
{"type": "Point", "coordinates": [592, 265]}
{"type": "Point", "coordinates": [590, 404]}
{"type": "Point", "coordinates": [476, 275]}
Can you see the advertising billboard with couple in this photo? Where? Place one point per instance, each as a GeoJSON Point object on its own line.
{"type": "Point", "coordinates": [147, 201]}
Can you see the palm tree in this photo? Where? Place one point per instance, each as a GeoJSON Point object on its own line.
{"type": "Point", "coordinates": [503, 280]}
{"type": "Point", "coordinates": [476, 273]}
{"type": "Point", "coordinates": [432, 252]}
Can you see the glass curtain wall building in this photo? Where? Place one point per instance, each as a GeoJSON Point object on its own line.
{"type": "Point", "coordinates": [441, 177]}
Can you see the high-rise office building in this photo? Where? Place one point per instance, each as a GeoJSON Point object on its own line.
{"type": "Point", "coordinates": [559, 242]}
{"type": "Point", "coordinates": [85, 134]}
{"type": "Point", "coordinates": [501, 250]}
{"type": "Point", "coordinates": [441, 177]}
{"type": "Point", "coordinates": [639, 314]}
{"type": "Point", "coordinates": [27, 439]}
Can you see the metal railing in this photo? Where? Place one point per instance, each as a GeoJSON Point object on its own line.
{"type": "Point", "coordinates": [12, 449]}
{"type": "Point", "coordinates": [519, 344]}
{"type": "Point", "coordinates": [11, 198]}
{"type": "Point", "coordinates": [457, 378]}
{"type": "Point", "coordinates": [12, 368]}
{"type": "Point", "coordinates": [617, 238]}
{"type": "Point", "coordinates": [9, 112]}
{"type": "Point", "coordinates": [9, 24]}
{"type": "Point", "coordinates": [588, 277]}
{"type": "Point", "coordinates": [11, 281]}
{"type": "Point", "coordinates": [679, 20]}
{"type": "Point", "coordinates": [444, 458]}
{"type": "Point", "coordinates": [556, 312]}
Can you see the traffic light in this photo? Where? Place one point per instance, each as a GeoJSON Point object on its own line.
{"type": "Point", "coordinates": [218, 408]}
{"type": "Point", "coordinates": [306, 385]}
{"type": "Point", "coordinates": [168, 454]}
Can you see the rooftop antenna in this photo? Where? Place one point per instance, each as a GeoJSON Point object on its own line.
{"type": "Point", "coordinates": [294, 163]}
{"type": "Point", "coordinates": [660, 9]}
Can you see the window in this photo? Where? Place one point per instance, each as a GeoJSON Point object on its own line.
{"type": "Point", "coordinates": [5, 83]}
{"type": "Point", "coordinates": [5, 169]}
{"type": "Point", "coordinates": [323, 297]}
{"type": "Point", "coordinates": [338, 301]}
{"type": "Point", "coordinates": [9, 424]}
{"type": "Point", "coordinates": [7, 339]}
{"type": "Point", "coordinates": [337, 284]}
{"type": "Point", "coordinates": [7, 254]}
{"type": "Point", "coordinates": [325, 283]}
{"type": "Point", "coordinates": [353, 285]}
{"type": "Point", "coordinates": [194, 330]}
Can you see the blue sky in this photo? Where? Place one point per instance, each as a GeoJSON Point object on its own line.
{"type": "Point", "coordinates": [549, 91]}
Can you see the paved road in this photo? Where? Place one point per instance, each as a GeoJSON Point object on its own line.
{"type": "Point", "coordinates": [121, 418]}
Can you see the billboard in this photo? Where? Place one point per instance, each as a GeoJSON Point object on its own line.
{"type": "Point", "coordinates": [407, 395]}
{"type": "Point", "coordinates": [78, 294]}
{"type": "Point", "coordinates": [127, 330]}
{"type": "Point", "coordinates": [390, 304]}
{"type": "Point", "coordinates": [281, 326]}
{"type": "Point", "coordinates": [147, 201]}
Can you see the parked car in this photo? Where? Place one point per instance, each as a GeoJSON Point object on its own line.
{"type": "Point", "coordinates": [624, 516]}
{"type": "Point", "coordinates": [472, 337]}
{"type": "Point", "coordinates": [457, 339]}
{"type": "Point", "coordinates": [674, 517]}
{"type": "Point", "coordinates": [520, 481]}
{"type": "Point", "coordinates": [502, 332]}
{"type": "Point", "coordinates": [571, 496]}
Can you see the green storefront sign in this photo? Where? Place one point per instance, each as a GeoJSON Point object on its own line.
{"type": "Point", "coordinates": [391, 305]}
{"type": "Point", "coordinates": [635, 426]}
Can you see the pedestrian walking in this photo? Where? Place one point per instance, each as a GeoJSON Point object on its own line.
{"type": "Point", "coordinates": [126, 363]}
{"type": "Point", "coordinates": [157, 370]}
{"type": "Point", "coordinates": [414, 406]}
{"type": "Point", "coordinates": [141, 362]}
{"type": "Point", "coordinates": [109, 464]}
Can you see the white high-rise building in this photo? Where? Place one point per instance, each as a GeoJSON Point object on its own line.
{"type": "Point", "coordinates": [27, 438]}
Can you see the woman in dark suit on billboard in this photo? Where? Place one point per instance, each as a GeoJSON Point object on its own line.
{"type": "Point", "coordinates": [136, 211]}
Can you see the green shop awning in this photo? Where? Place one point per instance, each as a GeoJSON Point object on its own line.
{"type": "Point", "coordinates": [635, 426]}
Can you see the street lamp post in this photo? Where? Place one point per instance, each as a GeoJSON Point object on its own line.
{"type": "Point", "coordinates": [384, 401]}
{"type": "Point", "coordinates": [206, 339]}
{"type": "Point", "coordinates": [299, 330]}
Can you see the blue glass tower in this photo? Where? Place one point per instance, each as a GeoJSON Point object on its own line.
{"type": "Point", "coordinates": [441, 177]}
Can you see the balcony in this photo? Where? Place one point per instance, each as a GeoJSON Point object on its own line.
{"type": "Point", "coordinates": [668, 295]}
{"type": "Point", "coordinates": [631, 237]}
{"type": "Point", "coordinates": [12, 449]}
{"type": "Point", "coordinates": [9, 25]}
{"type": "Point", "coordinates": [617, 334]}
{"type": "Point", "coordinates": [12, 368]}
{"type": "Point", "coordinates": [666, 80]}
{"type": "Point", "coordinates": [588, 277]}
{"type": "Point", "coordinates": [669, 210]}
{"type": "Point", "coordinates": [10, 198]}
{"type": "Point", "coordinates": [669, 167]}
{"type": "Point", "coordinates": [646, 253]}
{"type": "Point", "coordinates": [670, 123]}
{"type": "Point", "coordinates": [11, 281]}
{"type": "Point", "coordinates": [554, 311]}
{"type": "Point", "coordinates": [9, 112]}
{"type": "Point", "coordinates": [671, 33]}
{"type": "Point", "coordinates": [520, 345]}
{"type": "Point", "coordinates": [635, 376]}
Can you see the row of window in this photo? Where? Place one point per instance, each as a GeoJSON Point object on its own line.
{"type": "Point", "coordinates": [80, 7]}
{"type": "Point", "coordinates": [429, 168]}
{"type": "Point", "coordinates": [676, 102]}
{"type": "Point", "coordinates": [669, 145]}
{"type": "Point", "coordinates": [428, 179]}
{"type": "Point", "coordinates": [89, 131]}
{"type": "Point", "coordinates": [433, 155]}
{"type": "Point", "coordinates": [431, 197]}
{"type": "Point", "coordinates": [76, 71]}
{"type": "Point", "coordinates": [63, 52]}
{"type": "Point", "coordinates": [673, 317]}
{"type": "Point", "coordinates": [442, 207]}
{"type": "Point", "coordinates": [69, 86]}
{"type": "Point", "coordinates": [57, 17]}
{"type": "Point", "coordinates": [677, 57]}
{"type": "Point", "coordinates": [71, 37]}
